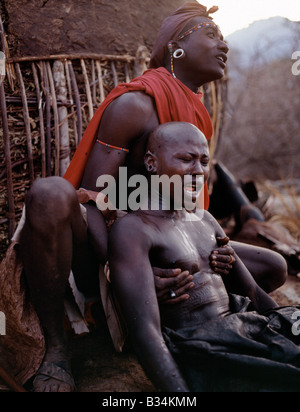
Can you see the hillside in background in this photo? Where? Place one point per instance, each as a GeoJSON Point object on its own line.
{"type": "Point", "coordinates": [261, 135]}
{"type": "Point", "coordinates": [265, 41]}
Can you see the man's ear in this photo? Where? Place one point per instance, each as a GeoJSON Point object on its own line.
{"type": "Point", "coordinates": [175, 45]}
{"type": "Point", "coordinates": [150, 162]}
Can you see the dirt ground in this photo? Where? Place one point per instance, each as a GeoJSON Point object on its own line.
{"type": "Point", "coordinates": [97, 367]}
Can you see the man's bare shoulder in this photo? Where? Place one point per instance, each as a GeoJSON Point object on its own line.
{"type": "Point", "coordinates": [134, 104]}
{"type": "Point", "coordinates": [130, 226]}
{"type": "Point", "coordinates": [203, 214]}
{"type": "Point", "coordinates": [208, 218]}
{"type": "Point", "coordinates": [129, 116]}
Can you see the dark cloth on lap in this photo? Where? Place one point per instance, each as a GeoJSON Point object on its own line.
{"type": "Point", "coordinates": [244, 351]}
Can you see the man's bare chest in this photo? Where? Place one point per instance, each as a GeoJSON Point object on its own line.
{"type": "Point", "coordinates": [185, 245]}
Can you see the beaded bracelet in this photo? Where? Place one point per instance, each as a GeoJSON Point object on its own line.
{"type": "Point", "coordinates": [113, 147]}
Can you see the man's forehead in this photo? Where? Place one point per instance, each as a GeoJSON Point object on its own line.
{"type": "Point", "coordinates": [199, 23]}
{"type": "Point", "coordinates": [190, 142]}
{"type": "Point", "coordinates": [199, 19]}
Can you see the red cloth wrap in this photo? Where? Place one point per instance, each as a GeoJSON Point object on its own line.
{"type": "Point", "coordinates": [174, 102]}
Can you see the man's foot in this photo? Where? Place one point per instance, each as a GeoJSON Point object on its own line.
{"type": "Point", "coordinates": [54, 377]}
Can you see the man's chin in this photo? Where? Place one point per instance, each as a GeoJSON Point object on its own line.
{"type": "Point", "coordinates": [217, 75]}
{"type": "Point", "coordinates": [191, 200]}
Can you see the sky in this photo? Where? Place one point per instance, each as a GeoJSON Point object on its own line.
{"type": "Point", "coordinates": [237, 14]}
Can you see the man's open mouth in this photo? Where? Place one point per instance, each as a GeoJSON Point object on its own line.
{"type": "Point", "coordinates": [191, 188]}
{"type": "Point", "coordinates": [222, 58]}
{"type": "Point", "coordinates": [193, 185]}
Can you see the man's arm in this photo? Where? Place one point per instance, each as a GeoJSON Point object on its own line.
{"type": "Point", "coordinates": [240, 281]}
{"type": "Point", "coordinates": [132, 279]}
{"type": "Point", "coordinates": [127, 118]}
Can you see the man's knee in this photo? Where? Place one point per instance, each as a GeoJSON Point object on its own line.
{"type": "Point", "coordinates": [275, 273]}
{"type": "Point", "coordinates": [50, 200]}
{"type": "Point", "coordinates": [280, 270]}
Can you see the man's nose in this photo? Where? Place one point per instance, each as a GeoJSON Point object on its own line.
{"type": "Point", "coordinates": [198, 169]}
{"type": "Point", "coordinates": [223, 46]}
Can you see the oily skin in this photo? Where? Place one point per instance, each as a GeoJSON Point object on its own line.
{"type": "Point", "coordinates": [164, 237]}
{"type": "Point", "coordinates": [54, 224]}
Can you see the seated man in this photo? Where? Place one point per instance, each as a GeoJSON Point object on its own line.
{"type": "Point", "coordinates": [189, 52]}
{"type": "Point", "coordinates": [218, 339]}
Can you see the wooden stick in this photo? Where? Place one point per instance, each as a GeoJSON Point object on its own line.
{"type": "Point", "coordinates": [2, 37]}
{"type": "Point", "coordinates": [2, 50]}
{"type": "Point", "coordinates": [95, 56]}
{"type": "Point", "coordinates": [99, 74]}
{"type": "Point", "coordinates": [10, 71]}
{"type": "Point", "coordinates": [10, 188]}
{"type": "Point", "coordinates": [48, 116]}
{"type": "Point", "coordinates": [26, 122]}
{"type": "Point", "coordinates": [87, 88]}
{"type": "Point", "coordinates": [2, 67]}
{"type": "Point", "coordinates": [221, 108]}
{"type": "Point", "coordinates": [224, 100]}
{"type": "Point", "coordinates": [219, 112]}
{"type": "Point", "coordinates": [114, 73]}
{"type": "Point", "coordinates": [61, 93]}
{"type": "Point", "coordinates": [213, 102]}
{"type": "Point", "coordinates": [34, 101]}
{"type": "Point", "coordinates": [41, 118]}
{"type": "Point", "coordinates": [72, 102]}
{"type": "Point", "coordinates": [214, 115]}
{"type": "Point", "coordinates": [94, 82]}
{"type": "Point", "coordinates": [127, 76]}
{"type": "Point", "coordinates": [56, 122]}
{"type": "Point", "coordinates": [77, 100]}
{"type": "Point", "coordinates": [11, 381]}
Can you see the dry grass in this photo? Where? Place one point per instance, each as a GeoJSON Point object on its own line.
{"type": "Point", "coordinates": [289, 214]}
